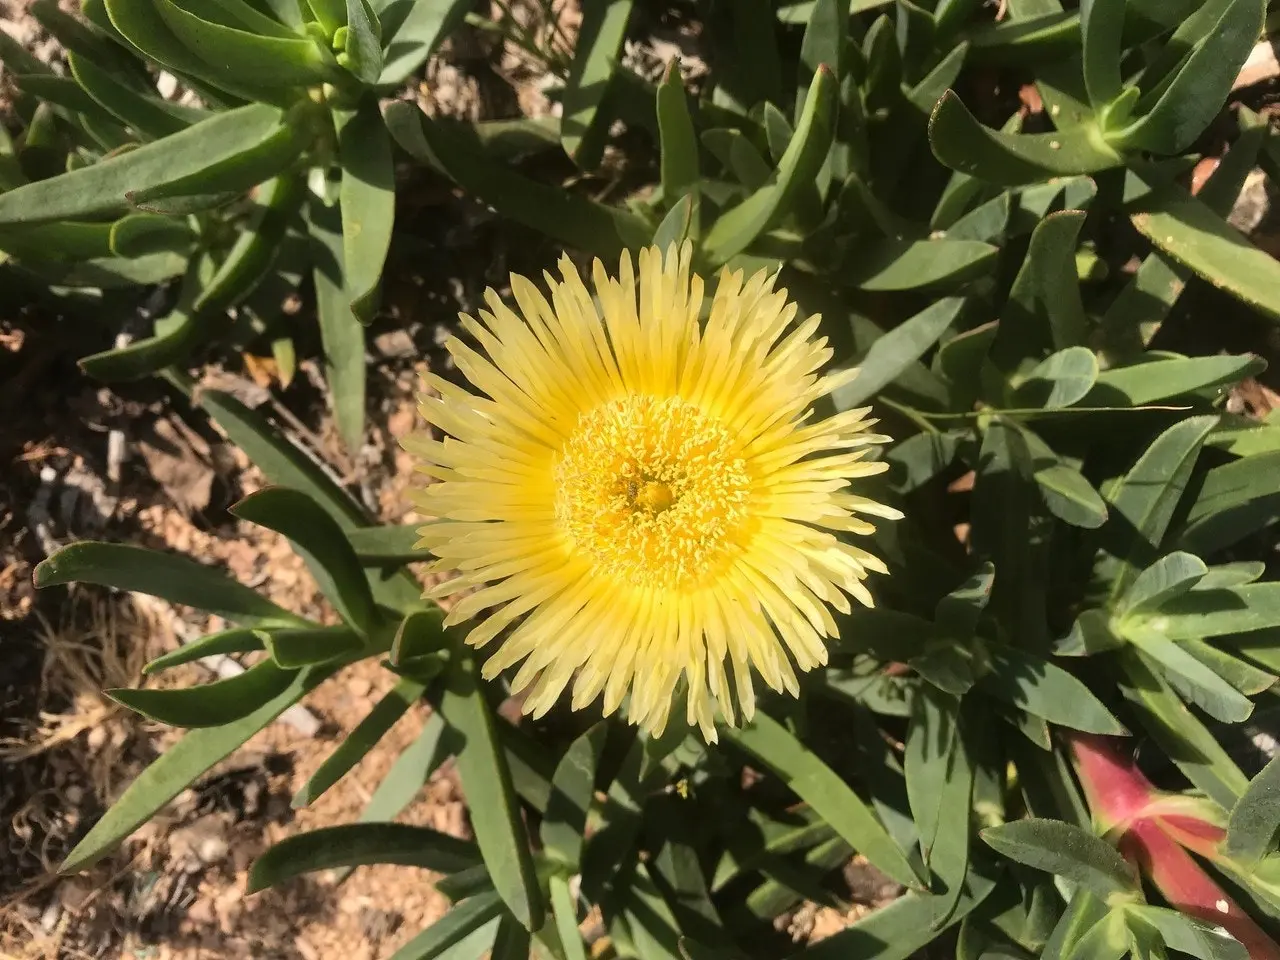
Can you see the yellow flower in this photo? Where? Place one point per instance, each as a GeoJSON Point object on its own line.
{"type": "Point", "coordinates": [643, 496]}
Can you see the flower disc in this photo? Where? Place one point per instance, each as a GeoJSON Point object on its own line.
{"type": "Point", "coordinates": [642, 495]}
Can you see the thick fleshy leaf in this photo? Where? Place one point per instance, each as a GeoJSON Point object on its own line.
{"type": "Point", "coordinates": [572, 219]}
{"type": "Point", "coordinates": [899, 930]}
{"type": "Point", "coordinates": [1101, 24]}
{"type": "Point", "coordinates": [1044, 313]}
{"type": "Point", "coordinates": [1180, 734]}
{"type": "Point", "coordinates": [341, 332]}
{"type": "Point", "coordinates": [572, 789]}
{"type": "Point", "coordinates": [211, 704]}
{"type": "Point", "coordinates": [1067, 851]}
{"type": "Point", "coordinates": [898, 349]}
{"type": "Point", "coordinates": [1195, 682]}
{"type": "Point", "coordinates": [1188, 231]}
{"type": "Point", "coordinates": [177, 579]}
{"type": "Point", "coordinates": [1066, 492]}
{"type": "Point", "coordinates": [486, 781]}
{"type": "Point", "coordinates": [236, 640]}
{"type": "Point", "coordinates": [1251, 830]}
{"type": "Point", "coordinates": [915, 264]}
{"type": "Point", "coordinates": [464, 933]}
{"type": "Point", "coordinates": [1061, 379]}
{"type": "Point", "coordinates": [1196, 93]}
{"type": "Point", "coordinates": [242, 56]}
{"type": "Point", "coordinates": [960, 142]}
{"type": "Point", "coordinates": [1161, 379]}
{"type": "Point", "coordinates": [1234, 501]}
{"type": "Point", "coordinates": [388, 545]}
{"type": "Point", "coordinates": [357, 844]}
{"type": "Point", "coordinates": [320, 542]}
{"type": "Point", "coordinates": [1215, 613]}
{"type": "Point", "coordinates": [363, 52]}
{"type": "Point", "coordinates": [738, 227]}
{"type": "Point", "coordinates": [1190, 936]}
{"type": "Point", "coordinates": [178, 767]}
{"type": "Point", "coordinates": [679, 141]}
{"type": "Point", "coordinates": [367, 198]}
{"type": "Point", "coordinates": [424, 26]}
{"type": "Point", "coordinates": [1169, 577]}
{"type": "Point", "coordinates": [302, 646]}
{"type": "Point", "coordinates": [1046, 690]}
{"type": "Point", "coordinates": [814, 782]}
{"type": "Point", "coordinates": [104, 187]}
{"type": "Point", "coordinates": [1147, 496]}
{"type": "Point", "coordinates": [599, 43]}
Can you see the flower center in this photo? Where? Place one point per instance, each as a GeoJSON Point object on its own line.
{"type": "Point", "coordinates": [653, 490]}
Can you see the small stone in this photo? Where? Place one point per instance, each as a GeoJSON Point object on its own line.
{"type": "Point", "coordinates": [359, 687]}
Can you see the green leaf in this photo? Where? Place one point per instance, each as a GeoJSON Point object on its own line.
{"type": "Point", "coordinates": [388, 545]}
{"type": "Point", "coordinates": [1179, 734]}
{"type": "Point", "coordinates": [368, 201]}
{"type": "Point", "coordinates": [1101, 24]}
{"type": "Point", "coordinates": [891, 265]}
{"type": "Point", "coordinates": [1194, 681]}
{"type": "Point", "coordinates": [211, 704]}
{"type": "Point", "coordinates": [679, 141]}
{"type": "Point", "coordinates": [1189, 935]}
{"type": "Point", "coordinates": [1188, 231]}
{"type": "Point", "coordinates": [150, 115]}
{"type": "Point", "coordinates": [892, 353]}
{"type": "Point", "coordinates": [364, 42]}
{"type": "Point", "coordinates": [464, 933]}
{"type": "Point", "coordinates": [571, 219]}
{"type": "Point", "coordinates": [281, 461]}
{"type": "Point", "coordinates": [58, 241]}
{"type": "Point", "coordinates": [598, 49]}
{"type": "Point", "coordinates": [565, 913]}
{"type": "Point", "coordinates": [110, 273]}
{"type": "Point", "coordinates": [293, 648]}
{"type": "Point", "coordinates": [103, 187]}
{"type": "Point", "coordinates": [175, 578]}
{"type": "Point", "coordinates": [897, 931]}
{"type": "Point", "coordinates": [425, 26]}
{"type": "Point", "coordinates": [1063, 378]}
{"type": "Point", "coordinates": [1067, 494]}
{"type": "Point", "coordinates": [1196, 94]}
{"type": "Point", "coordinates": [572, 787]}
{"type": "Point", "coordinates": [1146, 497]}
{"type": "Point", "coordinates": [1215, 613]}
{"type": "Point", "coordinates": [62, 92]}
{"type": "Point", "coordinates": [1251, 829]}
{"type": "Point", "coordinates": [1046, 690]}
{"type": "Point", "coordinates": [680, 223]}
{"type": "Point", "coordinates": [930, 760]}
{"type": "Point", "coordinates": [1043, 313]}
{"type": "Point", "coordinates": [139, 234]}
{"type": "Point", "coordinates": [1170, 576]}
{"type": "Point", "coordinates": [358, 844]}
{"type": "Point", "coordinates": [815, 783]}
{"type": "Point", "coordinates": [319, 540]}
{"type": "Point", "coordinates": [1234, 501]}
{"type": "Point", "coordinates": [960, 142]}
{"type": "Point", "coordinates": [1067, 851]}
{"type": "Point", "coordinates": [178, 767]}
{"type": "Point", "coordinates": [486, 781]}
{"type": "Point", "coordinates": [241, 56]}
{"type": "Point", "coordinates": [85, 40]}
{"type": "Point", "coordinates": [341, 332]}
{"type": "Point", "coordinates": [1160, 379]}
{"type": "Point", "coordinates": [738, 227]}
{"type": "Point", "coordinates": [236, 640]}
{"type": "Point", "coordinates": [825, 38]}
